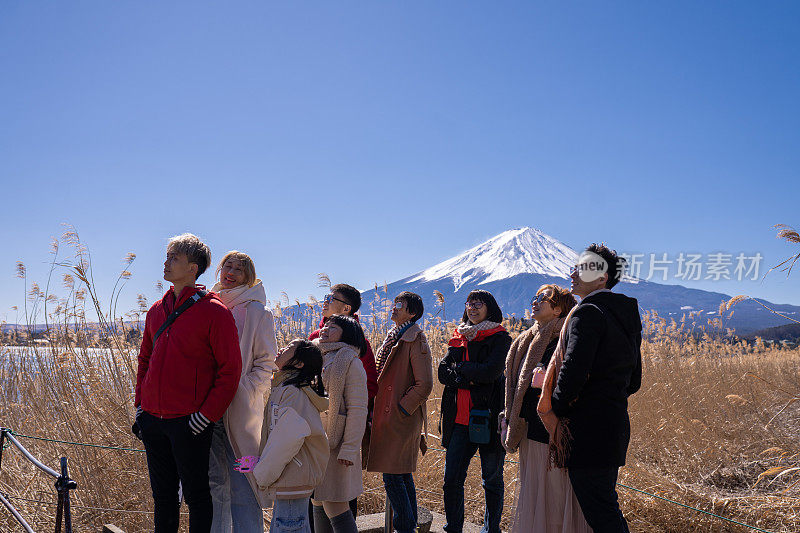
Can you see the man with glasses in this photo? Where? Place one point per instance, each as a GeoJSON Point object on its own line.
{"type": "Point", "coordinates": [344, 299]}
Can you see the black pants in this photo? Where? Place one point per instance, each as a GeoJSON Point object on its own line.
{"type": "Point", "coordinates": [173, 454]}
{"type": "Point", "coordinates": [596, 491]}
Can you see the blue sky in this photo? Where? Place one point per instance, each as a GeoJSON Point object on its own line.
{"type": "Point", "coordinates": [371, 140]}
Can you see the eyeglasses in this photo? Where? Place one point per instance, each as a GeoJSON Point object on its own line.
{"type": "Point", "coordinates": [539, 298]}
{"type": "Point", "coordinates": [474, 305]}
{"type": "Point", "coordinates": [399, 304]}
{"type": "Point", "coordinates": [329, 297]}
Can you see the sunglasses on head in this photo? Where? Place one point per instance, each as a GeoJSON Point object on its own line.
{"type": "Point", "coordinates": [477, 304]}
{"type": "Point", "coordinates": [539, 298]}
{"type": "Point", "coordinates": [329, 297]}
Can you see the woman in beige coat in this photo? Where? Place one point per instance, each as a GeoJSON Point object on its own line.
{"type": "Point", "coordinates": [236, 498]}
{"type": "Point", "coordinates": [405, 379]}
{"type": "Point", "coordinates": [342, 343]}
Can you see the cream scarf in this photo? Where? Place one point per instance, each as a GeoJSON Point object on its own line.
{"type": "Point", "coordinates": [471, 330]}
{"type": "Point", "coordinates": [336, 360]}
{"type": "Point", "coordinates": [524, 355]}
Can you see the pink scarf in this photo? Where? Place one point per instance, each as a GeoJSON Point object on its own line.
{"type": "Point", "coordinates": [558, 428]}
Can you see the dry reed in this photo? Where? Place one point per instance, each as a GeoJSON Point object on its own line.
{"type": "Point", "coordinates": [714, 426]}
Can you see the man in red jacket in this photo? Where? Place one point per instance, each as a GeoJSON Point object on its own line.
{"type": "Point", "coordinates": [188, 374]}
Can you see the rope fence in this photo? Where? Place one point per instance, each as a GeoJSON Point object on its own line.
{"type": "Point", "coordinates": [63, 484]}
{"type": "Point", "coordinates": [9, 432]}
{"type": "Point", "coordinates": [87, 507]}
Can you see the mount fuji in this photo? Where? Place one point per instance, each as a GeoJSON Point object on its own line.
{"type": "Point", "coordinates": [515, 263]}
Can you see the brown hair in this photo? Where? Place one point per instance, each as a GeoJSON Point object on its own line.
{"type": "Point", "coordinates": [560, 298]}
{"type": "Point", "coordinates": [195, 250]}
{"type": "Point", "coordinates": [247, 265]}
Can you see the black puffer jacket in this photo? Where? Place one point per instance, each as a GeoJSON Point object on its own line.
{"type": "Point", "coordinates": [482, 375]}
{"type": "Point", "coordinates": [602, 367]}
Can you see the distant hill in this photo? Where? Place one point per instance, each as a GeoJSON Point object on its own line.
{"type": "Point", "coordinates": [787, 332]}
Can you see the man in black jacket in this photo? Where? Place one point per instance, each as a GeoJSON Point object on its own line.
{"type": "Point", "coordinates": [602, 367]}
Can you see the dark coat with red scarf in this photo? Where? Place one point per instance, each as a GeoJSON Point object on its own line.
{"type": "Point", "coordinates": [482, 375]}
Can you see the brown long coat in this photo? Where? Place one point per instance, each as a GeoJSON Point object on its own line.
{"type": "Point", "coordinates": [406, 380]}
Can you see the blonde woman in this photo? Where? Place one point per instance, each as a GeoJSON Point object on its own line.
{"type": "Point", "coordinates": [545, 500]}
{"type": "Point", "coordinates": [235, 496]}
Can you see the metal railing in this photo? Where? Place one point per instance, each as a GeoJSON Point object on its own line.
{"type": "Point", "coordinates": [63, 485]}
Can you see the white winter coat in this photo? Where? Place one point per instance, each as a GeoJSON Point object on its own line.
{"type": "Point", "coordinates": [245, 415]}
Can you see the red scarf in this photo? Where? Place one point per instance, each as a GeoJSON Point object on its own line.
{"type": "Point", "coordinates": [464, 398]}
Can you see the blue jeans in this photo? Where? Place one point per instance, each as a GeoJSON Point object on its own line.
{"type": "Point", "coordinates": [403, 496]}
{"type": "Point", "coordinates": [290, 516]}
{"type": "Point", "coordinates": [236, 507]}
{"type": "Point", "coordinates": [459, 454]}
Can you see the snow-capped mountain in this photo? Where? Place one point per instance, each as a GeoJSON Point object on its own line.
{"type": "Point", "coordinates": [513, 252]}
{"type": "Point", "coordinates": [515, 263]}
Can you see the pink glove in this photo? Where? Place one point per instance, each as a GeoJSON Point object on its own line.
{"type": "Point", "coordinates": [538, 378]}
{"type": "Point", "coordinates": [246, 463]}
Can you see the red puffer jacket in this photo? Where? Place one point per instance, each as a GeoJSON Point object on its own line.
{"type": "Point", "coordinates": [195, 364]}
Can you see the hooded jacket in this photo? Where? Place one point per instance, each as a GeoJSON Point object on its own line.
{"type": "Point", "coordinates": [602, 367]}
{"type": "Point", "coordinates": [258, 348]}
{"type": "Point", "coordinates": [294, 447]}
{"type": "Point", "coordinates": [194, 366]}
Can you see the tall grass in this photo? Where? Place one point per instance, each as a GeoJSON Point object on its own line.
{"type": "Point", "coordinates": [714, 426]}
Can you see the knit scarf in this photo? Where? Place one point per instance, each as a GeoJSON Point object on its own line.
{"type": "Point", "coordinates": [524, 355]}
{"type": "Point", "coordinates": [336, 360]}
{"type": "Point", "coordinates": [558, 428]}
{"type": "Point", "coordinates": [462, 336]}
{"type": "Point", "coordinates": [388, 343]}
{"type": "Point", "coordinates": [470, 331]}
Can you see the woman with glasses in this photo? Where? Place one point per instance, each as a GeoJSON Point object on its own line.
{"type": "Point", "coordinates": [545, 501]}
{"type": "Point", "coordinates": [405, 379]}
{"type": "Point", "coordinates": [472, 375]}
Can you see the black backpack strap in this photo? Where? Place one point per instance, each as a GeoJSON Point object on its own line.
{"type": "Point", "coordinates": [194, 298]}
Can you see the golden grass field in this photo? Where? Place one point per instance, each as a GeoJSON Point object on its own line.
{"type": "Point", "coordinates": [714, 425]}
